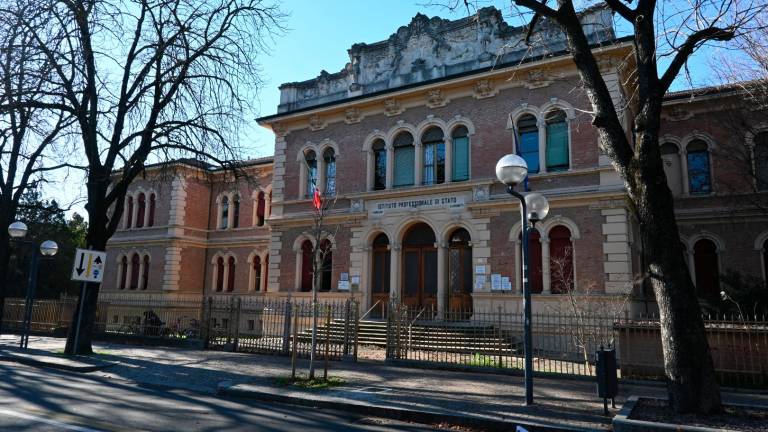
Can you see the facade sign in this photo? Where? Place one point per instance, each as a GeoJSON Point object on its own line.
{"type": "Point", "coordinates": [495, 281]}
{"type": "Point", "coordinates": [89, 265]}
{"type": "Point", "coordinates": [423, 203]}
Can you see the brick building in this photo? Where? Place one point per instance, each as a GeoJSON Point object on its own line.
{"type": "Point", "coordinates": [405, 140]}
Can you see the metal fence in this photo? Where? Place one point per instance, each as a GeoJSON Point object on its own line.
{"type": "Point", "coordinates": [281, 326]}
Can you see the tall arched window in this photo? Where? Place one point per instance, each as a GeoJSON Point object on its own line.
{"type": "Point", "coordinates": [528, 141]}
{"type": "Point", "coordinates": [129, 212]}
{"type": "Point", "coordinates": [699, 180]}
{"type": "Point", "coordinates": [306, 266]}
{"type": "Point", "coordinates": [142, 204]}
{"type": "Point", "coordinates": [152, 204]}
{"type": "Point", "coordinates": [433, 145]}
{"type": "Point", "coordinates": [311, 167]}
{"type": "Point", "coordinates": [219, 274]}
{"type": "Point", "coordinates": [260, 209]}
{"type": "Point", "coordinates": [560, 260]}
{"type": "Point", "coordinates": [145, 273]}
{"type": "Point", "coordinates": [761, 160]}
{"type": "Point", "coordinates": [670, 157]}
{"type": "Point", "coordinates": [460, 273]}
{"type": "Point", "coordinates": [535, 275]}
{"type": "Point", "coordinates": [460, 156]}
{"type": "Point", "coordinates": [236, 211]}
{"type": "Point", "coordinates": [266, 271]}
{"type": "Point", "coordinates": [135, 264]}
{"type": "Point", "coordinates": [327, 270]}
{"type": "Point", "coordinates": [256, 273]}
{"type": "Point", "coordinates": [706, 266]}
{"type": "Point", "coordinates": [329, 157]}
{"type": "Point", "coordinates": [379, 165]}
{"type": "Point", "coordinates": [381, 268]}
{"type": "Point", "coordinates": [123, 272]}
{"type": "Point", "coordinates": [224, 212]}
{"type": "Point", "coordinates": [557, 141]}
{"type": "Point", "coordinates": [231, 274]}
{"type": "Point", "coordinates": [404, 160]}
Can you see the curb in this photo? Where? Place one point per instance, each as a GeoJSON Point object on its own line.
{"type": "Point", "coordinates": [418, 416]}
{"type": "Point", "coordinates": [53, 365]}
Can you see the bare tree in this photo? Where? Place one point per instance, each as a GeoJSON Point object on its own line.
{"type": "Point", "coordinates": [29, 139]}
{"type": "Point", "coordinates": [148, 81]}
{"type": "Point", "coordinates": [681, 28]}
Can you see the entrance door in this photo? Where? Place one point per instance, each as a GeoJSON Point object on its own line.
{"type": "Point", "coordinates": [380, 276]}
{"type": "Point", "coordinates": [460, 276]}
{"type": "Point", "coordinates": [420, 268]}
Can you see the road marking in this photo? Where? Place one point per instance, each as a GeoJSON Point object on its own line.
{"type": "Point", "coordinates": [47, 421]}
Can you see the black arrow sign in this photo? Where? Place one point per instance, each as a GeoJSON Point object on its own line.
{"type": "Point", "coordinates": [80, 268]}
{"type": "Point", "coordinates": [97, 260]}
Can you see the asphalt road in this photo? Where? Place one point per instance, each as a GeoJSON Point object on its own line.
{"type": "Point", "coordinates": [46, 400]}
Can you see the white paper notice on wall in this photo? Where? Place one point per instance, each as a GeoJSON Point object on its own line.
{"type": "Point", "coordinates": [343, 285]}
{"type": "Point", "coordinates": [495, 281]}
{"type": "Point", "coordinates": [480, 269]}
{"type": "Point", "coordinates": [506, 284]}
{"type": "Point", "coordinates": [479, 282]}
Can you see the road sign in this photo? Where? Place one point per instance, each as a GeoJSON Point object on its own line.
{"type": "Point", "coordinates": [89, 265]}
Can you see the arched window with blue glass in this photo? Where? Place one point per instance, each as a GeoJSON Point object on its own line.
{"type": "Point", "coordinates": [460, 160]}
{"type": "Point", "coordinates": [379, 165]}
{"type": "Point", "coordinates": [699, 175]}
{"type": "Point", "coordinates": [433, 144]}
{"type": "Point", "coordinates": [761, 160]}
{"type": "Point", "coordinates": [404, 160]}
{"type": "Point", "coordinates": [557, 153]}
{"type": "Point", "coordinates": [528, 141]}
{"type": "Point", "coordinates": [311, 166]}
{"type": "Point", "coordinates": [329, 157]}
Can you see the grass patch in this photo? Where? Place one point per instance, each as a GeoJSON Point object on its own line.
{"type": "Point", "coordinates": [483, 360]}
{"type": "Point", "coordinates": [304, 382]}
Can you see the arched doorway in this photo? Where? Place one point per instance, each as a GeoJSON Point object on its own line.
{"type": "Point", "coordinates": [420, 267]}
{"type": "Point", "coordinates": [459, 275]}
{"type": "Point", "coordinates": [706, 269]}
{"type": "Point", "coordinates": [380, 265]}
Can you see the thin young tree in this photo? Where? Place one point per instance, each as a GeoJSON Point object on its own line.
{"type": "Point", "coordinates": [680, 29]}
{"type": "Point", "coordinates": [30, 141]}
{"type": "Point", "coordinates": [150, 81]}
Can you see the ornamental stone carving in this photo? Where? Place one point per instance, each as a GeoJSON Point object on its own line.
{"type": "Point", "coordinates": [316, 123]}
{"type": "Point", "coordinates": [436, 99]}
{"type": "Point", "coordinates": [352, 115]}
{"type": "Point", "coordinates": [480, 193]}
{"type": "Point", "coordinates": [484, 89]}
{"type": "Point", "coordinates": [392, 107]}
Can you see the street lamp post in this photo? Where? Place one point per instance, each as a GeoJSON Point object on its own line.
{"type": "Point", "coordinates": [48, 248]}
{"type": "Point", "coordinates": [512, 170]}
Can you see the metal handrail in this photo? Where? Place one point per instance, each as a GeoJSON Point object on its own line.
{"type": "Point", "coordinates": [369, 310]}
{"type": "Point", "coordinates": [410, 327]}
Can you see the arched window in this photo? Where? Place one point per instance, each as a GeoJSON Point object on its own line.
{"type": "Point", "coordinates": [560, 260]}
{"type": "Point", "coordinates": [256, 273]}
{"type": "Point", "coordinates": [699, 180]}
{"type": "Point", "coordinates": [528, 141]}
{"type": "Point", "coordinates": [311, 167]}
{"type": "Point", "coordinates": [260, 209]}
{"type": "Point", "coordinates": [670, 157]}
{"type": "Point", "coordinates": [231, 274]}
{"type": "Point", "coordinates": [266, 271]}
{"type": "Point", "coordinates": [535, 275]}
{"type": "Point", "coordinates": [152, 204]}
{"type": "Point", "coordinates": [706, 266]}
{"type": "Point", "coordinates": [557, 141]}
{"type": "Point", "coordinates": [236, 211]}
{"type": "Point", "coordinates": [306, 266]}
{"type": "Point", "coordinates": [433, 145]}
{"type": "Point", "coordinates": [329, 157]}
{"type": "Point", "coordinates": [135, 264]}
{"type": "Point", "coordinates": [460, 156]}
{"type": "Point", "coordinates": [761, 160]}
{"type": "Point", "coordinates": [123, 272]}
{"type": "Point", "coordinates": [404, 160]}
{"type": "Point", "coordinates": [220, 274]}
{"type": "Point", "coordinates": [381, 268]}
{"type": "Point", "coordinates": [327, 270]}
{"type": "Point", "coordinates": [145, 273]}
{"type": "Point", "coordinates": [269, 209]}
{"type": "Point", "coordinates": [224, 212]}
{"type": "Point", "coordinates": [142, 204]}
{"type": "Point", "coordinates": [129, 212]}
{"type": "Point", "coordinates": [379, 165]}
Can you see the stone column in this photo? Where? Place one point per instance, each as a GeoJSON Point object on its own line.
{"type": "Point", "coordinates": [369, 169]}
{"type": "Point", "coordinates": [390, 166]}
{"type": "Point", "coordinates": [616, 250]}
{"type": "Point", "coordinates": [448, 159]}
{"type": "Point", "coordinates": [394, 271]}
{"type": "Point", "coordinates": [263, 282]}
{"type": "Point", "coordinates": [442, 270]}
{"type": "Point", "coordinates": [545, 270]}
{"type": "Point", "coordinates": [542, 146]}
{"type": "Point", "coordinates": [418, 162]}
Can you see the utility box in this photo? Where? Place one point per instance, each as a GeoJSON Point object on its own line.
{"type": "Point", "coordinates": [605, 368]}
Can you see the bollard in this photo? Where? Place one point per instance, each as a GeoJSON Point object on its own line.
{"type": "Point", "coordinates": [605, 371]}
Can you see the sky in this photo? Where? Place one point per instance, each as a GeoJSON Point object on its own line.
{"type": "Point", "coordinates": [317, 36]}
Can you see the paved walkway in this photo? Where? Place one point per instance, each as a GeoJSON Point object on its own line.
{"type": "Point", "coordinates": [559, 402]}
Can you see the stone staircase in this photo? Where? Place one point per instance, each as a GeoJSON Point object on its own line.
{"type": "Point", "coordinates": [459, 337]}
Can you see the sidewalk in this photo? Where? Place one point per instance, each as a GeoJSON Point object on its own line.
{"type": "Point", "coordinates": [372, 388]}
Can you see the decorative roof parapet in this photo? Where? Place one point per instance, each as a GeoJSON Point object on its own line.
{"type": "Point", "coordinates": [434, 48]}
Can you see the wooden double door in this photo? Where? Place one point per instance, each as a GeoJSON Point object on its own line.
{"type": "Point", "coordinates": [420, 277]}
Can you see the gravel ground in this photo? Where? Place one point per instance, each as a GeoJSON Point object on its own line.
{"type": "Point", "coordinates": [734, 418]}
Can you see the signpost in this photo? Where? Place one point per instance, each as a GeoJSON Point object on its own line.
{"type": "Point", "coordinates": [88, 267]}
